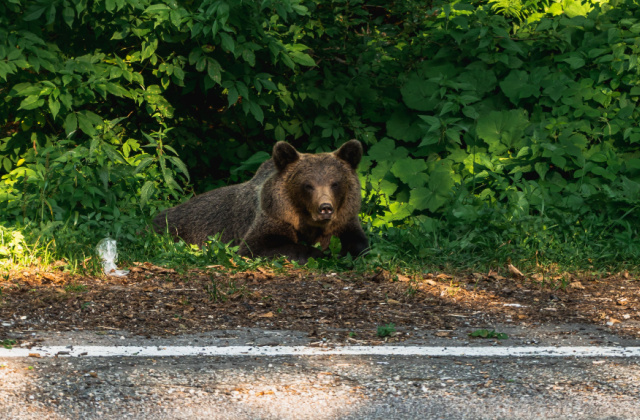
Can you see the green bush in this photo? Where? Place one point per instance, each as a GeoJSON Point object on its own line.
{"type": "Point", "coordinates": [501, 127]}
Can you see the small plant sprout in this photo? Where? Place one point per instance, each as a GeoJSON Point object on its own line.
{"type": "Point", "coordinates": [8, 343]}
{"type": "Point", "coordinates": [488, 334]}
{"type": "Point", "coordinates": [75, 288]}
{"type": "Point", "coordinates": [386, 330]}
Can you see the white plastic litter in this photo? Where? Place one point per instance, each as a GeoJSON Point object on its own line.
{"type": "Point", "coordinates": [108, 252]}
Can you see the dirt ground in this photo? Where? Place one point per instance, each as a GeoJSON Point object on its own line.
{"type": "Point", "coordinates": [346, 307]}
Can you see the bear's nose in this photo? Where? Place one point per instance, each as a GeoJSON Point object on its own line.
{"type": "Point", "coordinates": [325, 210]}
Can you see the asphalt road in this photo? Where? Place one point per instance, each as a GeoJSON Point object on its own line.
{"type": "Point", "coordinates": [323, 387]}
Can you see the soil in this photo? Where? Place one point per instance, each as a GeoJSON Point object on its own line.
{"type": "Point", "coordinates": [346, 307]}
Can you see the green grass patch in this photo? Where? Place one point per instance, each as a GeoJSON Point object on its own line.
{"type": "Point", "coordinates": [488, 334]}
{"type": "Point", "coordinates": [8, 343]}
{"type": "Point", "coordinates": [77, 288]}
{"type": "Point", "coordinates": [386, 330]}
{"type": "Point", "coordinates": [590, 244]}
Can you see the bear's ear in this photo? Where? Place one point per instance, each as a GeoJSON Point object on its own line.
{"type": "Point", "coordinates": [350, 152]}
{"type": "Point", "coordinates": [284, 154]}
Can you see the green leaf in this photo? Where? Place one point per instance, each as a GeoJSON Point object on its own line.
{"type": "Point", "coordinates": [180, 165]}
{"type": "Point", "coordinates": [266, 82]}
{"type": "Point", "coordinates": [252, 163]}
{"type": "Point", "coordinates": [249, 56]}
{"type": "Point", "coordinates": [436, 194]}
{"type": "Point", "coordinates": [168, 179]}
{"type": "Point", "coordinates": [559, 161]}
{"type": "Point", "coordinates": [410, 171]}
{"type": "Point", "coordinates": [68, 16]}
{"type": "Point", "coordinates": [214, 70]}
{"type": "Point", "coordinates": [54, 106]}
{"type": "Point", "coordinates": [232, 95]}
{"type": "Point", "coordinates": [502, 130]}
{"type": "Point", "coordinates": [256, 111]}
{"type": "Point", "coordinates": [419, 198]}
{"type": "Point", "coordinates": [113, 155]}
{"type": "Point", "coordinates": [157, 8]}
{"type": "Point", "coordinates": [401, 126]}
{"type": "Point", "coordinates": [227, 42]}
{"type": "Point", "coordinates": [286, 60]}
{"type": "Point", "coordinates": [574, 8]}
{"type": "Point", "coordinates": [51, 14]}
{"type": "Point", "coordinates": [397, 211]}
{"type": "Point", "coordinates": [146, 192]}
{"type": "Point", "coordinates": [14, 54]}
{"type": "Point", "coordinates": [541, 168]}
{"type": "Point", "coordinates": [31, 102]}
{"type": "Point", "coordinates": [434, 122]}
{"type": "Point", "coordinates": [420, 94]}
{"type": "Point", "coordinates": [302, 58]}
{"type": "Point", "coordinates": [70, 123]}
{"type": "Point", "coordinates": [386, 150]}
{"type": "Point", "coordinates": [517, 85]}
{"type": "Point", "coordinates": [575, 62]}
{"type": "Point", "coordinates": [34, 13]}
{"type": "Point", "coordinates": [142, 165]}
{"type": "Point", "coordinates": [178, 73]}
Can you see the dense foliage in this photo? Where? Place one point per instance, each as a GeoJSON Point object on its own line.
{"type": "Point", "coordinates": [484, 123]}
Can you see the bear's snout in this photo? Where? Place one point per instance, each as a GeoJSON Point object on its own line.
{"type": "Point", "coordinates": [325, 211]}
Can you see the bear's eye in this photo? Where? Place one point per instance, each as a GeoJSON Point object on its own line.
{"type": "Point", "coordinates": [334, 185]}
{"type": "Point", "coordinates": [308, 187]}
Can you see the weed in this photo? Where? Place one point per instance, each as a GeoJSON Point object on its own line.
{"type": "Point", "coordinates": [386, 330]}
{"type": "Point", "coordinates": [86, 305]}
{"type": "Point", "coordinates": [411, 290]}
{"type": "Point", "coordinates": [8, 343]}
{"type": "Point", "coordinates": [488, 334]}
{"type": "Point", "coordinates": [214, 292]}
{"type": "Point", "coordinates": [220, 290]}
{"type": "Point", "coordinates": [75, 288]}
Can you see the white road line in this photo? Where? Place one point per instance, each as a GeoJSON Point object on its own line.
{"type": "Point", "coordinates": [239, 351]}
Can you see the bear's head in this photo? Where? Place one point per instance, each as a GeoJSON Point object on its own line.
{"type": "Point", "coordinates": [322, 187]}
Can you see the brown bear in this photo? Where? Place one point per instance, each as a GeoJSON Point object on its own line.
{"type": "Point", "coordinates": [294, 201]}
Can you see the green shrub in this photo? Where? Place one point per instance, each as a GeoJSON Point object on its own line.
{"type": "Point", "coordinates": [501, 127]}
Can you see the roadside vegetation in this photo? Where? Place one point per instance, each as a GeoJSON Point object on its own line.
{"type": "Point", "coordinates": [495, 132]}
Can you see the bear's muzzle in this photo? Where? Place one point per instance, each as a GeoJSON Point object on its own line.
{"type": "Point", "coordinates": [325, 211]}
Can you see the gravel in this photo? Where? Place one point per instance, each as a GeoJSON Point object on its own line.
{"type": "Point", "coordinates": [320, 387]}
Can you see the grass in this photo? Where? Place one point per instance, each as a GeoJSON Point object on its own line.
{"type": "Point", "coordinates": [488, 334]}
{"type": "Point", "coordinates": [77, 288]}
{"type": "Point", "coordinates": [386, 330]}
{"type": "Point", "coordinates": [8, 343]}
{"type": "Point", "coordinates": [531, 244]}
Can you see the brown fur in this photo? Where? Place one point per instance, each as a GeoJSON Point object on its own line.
{"type": "Point", "coordinates": [295, 200]}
